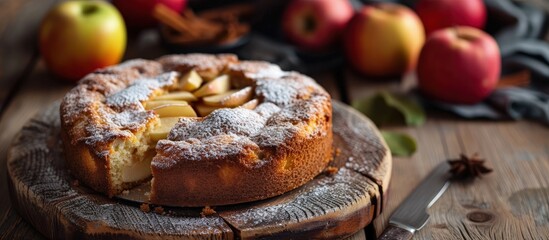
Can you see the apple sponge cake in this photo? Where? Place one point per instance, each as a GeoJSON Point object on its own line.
{"type": "Point", "coordinates": [208, 129]}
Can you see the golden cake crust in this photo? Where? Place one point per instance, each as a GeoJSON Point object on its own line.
{"type": "Point", "coordinates": [230, 156]}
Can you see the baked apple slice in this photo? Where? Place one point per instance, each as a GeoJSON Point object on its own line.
{"type": "Point", "coordinates": [182, 95]}
{"type": "Point", "coordinates": [175, 110]}
{"type": "Point", "coordinates": [231, 98]}
{"type": "Point", "coordinates": [136, 171]}
{"type": "Point", "coordinates": [250, 104]}
{"type": "Point", "coordinates": [162, 131]}
{"type": "Point", "coordinates": [219, 85]}
{"type": "Point", "coordinates": [191, 81]}
{"type": "Point", "coordinates": [154, 104]}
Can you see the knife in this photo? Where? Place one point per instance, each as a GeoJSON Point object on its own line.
{"type": "Point", "coordinates": [412, 215]}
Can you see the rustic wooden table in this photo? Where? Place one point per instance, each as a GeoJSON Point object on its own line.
{"type": "Point", "coordinates": [510, 203]}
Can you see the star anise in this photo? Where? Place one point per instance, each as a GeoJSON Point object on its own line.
{"type": "Point", "coordinates": [468, 167]}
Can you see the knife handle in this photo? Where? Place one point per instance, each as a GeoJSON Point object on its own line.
{"type": "Point", "coordinates": [393, 232]}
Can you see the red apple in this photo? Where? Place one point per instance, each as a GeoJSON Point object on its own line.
{"type": "Point", "coordinates": [384, 40]}
{"type": "Point", "coordinates": [316, 24]}
{"type": "Point", "coordinates": [138, 14]}
{"type": "Point", "coordinates": [77, 37]}
{"type": "Point", "coordinates": [439, 14]}
{"type": "Point", "coordinates": [459, 65]}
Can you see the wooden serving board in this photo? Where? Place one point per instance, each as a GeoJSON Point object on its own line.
{"type": "Point", "coordinates": [329, 206]}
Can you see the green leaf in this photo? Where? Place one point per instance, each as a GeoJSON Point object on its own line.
{"type": "Point", "coordinates": [400, 144]}
{"type": "Point", "coordinates": [413, 113]}
{"type": "Point", "coordinates": [385, 108]}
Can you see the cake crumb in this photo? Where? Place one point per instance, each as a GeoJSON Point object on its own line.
{"type": "Point", "coordinates": [330, 171]}
{"type": "Point", "coordinates": [75, 183]}
{"type": "Point", "coordinates": [145, 207]}
{"type": "Point", "coordinates": [207, 211]}
{"type": "Point", "coordinates": [337, 152]}
{"type": "Point", "coordinates": [125, 192]}
{"type": "Point", "coordinates": [159, 210]}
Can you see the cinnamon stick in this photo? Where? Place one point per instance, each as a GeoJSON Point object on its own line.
{"type": "Point", "coordinates": [218, 26]}
{"type": "Point", "coordinates": [172, 19]}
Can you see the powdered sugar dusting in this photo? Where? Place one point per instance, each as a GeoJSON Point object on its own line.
{"type": "Point", "coordinates": [197, 61]}
{"type": "Point", "coordinates": [267, 109]}
{"type": "Point", "coordinates": [272, 71]}
{"type": "Point", "coordinates": [283, 93]}
{"type": "Point", "coordinates": [258, 69]}
{"type": "Point", "coordinates": [239, 121]}
{"type": "Point", "coordinates": [129, 119]}
{"type": "Point", "coordinates": [322, 196]}
{"type": "Point", "coordinates": [140, 90]}
{"type": "Point", "coordinates": [143, 66]}
{"type": "Point", "coordinates": [75, 106]}
{"type": "Point", "coordinates": [299, 111]}
{"type": "Point", "coordinates": [272, 136]}
{"type": "Point", "coordinates": [196, 150]}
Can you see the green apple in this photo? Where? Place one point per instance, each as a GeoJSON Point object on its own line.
{"type": "Point", "coordinates": [77, 37]}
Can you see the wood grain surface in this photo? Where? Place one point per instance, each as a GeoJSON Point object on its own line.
{"type": "Point", "coordinates": [509, 203]}
{"type": "Point", "coordinates": [330, 206]}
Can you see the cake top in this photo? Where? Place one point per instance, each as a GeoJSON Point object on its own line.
{"type": "Point", "coordinates": [108, 105]}
{"type": "Point", "coordinates": [140, 90]}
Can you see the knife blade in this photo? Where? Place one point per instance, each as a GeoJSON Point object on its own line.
{"type": "Point", "coordinates": [412, 215]}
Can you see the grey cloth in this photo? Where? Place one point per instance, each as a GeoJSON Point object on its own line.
{"type": "Point", "coordinates": [505, 103]}
{"type": "Point", "coordinates": [521, 103]}
{"type": "Point", "coordinates": [521, 44]}
{"type": "Point", "coordinates": [479, 110]}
